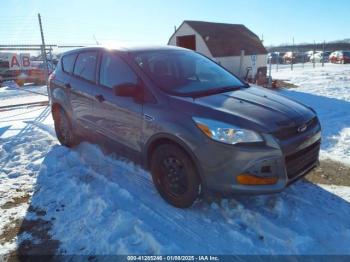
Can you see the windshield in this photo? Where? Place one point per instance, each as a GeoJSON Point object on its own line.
{"type": "Point", "coordinates": [186, 73]}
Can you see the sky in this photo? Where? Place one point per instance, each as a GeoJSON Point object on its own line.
{"type": "Point", "coordinates": [153, 21]}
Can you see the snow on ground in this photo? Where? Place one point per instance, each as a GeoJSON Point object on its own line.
{"type": "Point", "coordinates": [327, 90]}
{"type": "Point", "coordinates": [100, 205]}
{"type": "Point", "coordinates": [97, 204]}
{"type": "Point", "coordinates": [18, 180]}
{"type": "Point", "coordinates": [12, 94]}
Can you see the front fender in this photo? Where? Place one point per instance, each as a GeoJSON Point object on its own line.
{"type": "Point", "coordinates": [177, 140]}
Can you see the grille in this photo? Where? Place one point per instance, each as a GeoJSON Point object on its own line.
{"type": "Point", "coordinates": [288, 132]}
{"type": "Point", "coordinates": [302, 160]}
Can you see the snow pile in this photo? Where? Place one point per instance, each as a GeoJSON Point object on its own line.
{"type": "Point", "coordinates": [327, 90]}
{"type": "Point", "coordinates": [98, 204]}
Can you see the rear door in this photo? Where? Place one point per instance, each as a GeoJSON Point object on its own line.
{"type": "Point", "coordinates": [118, 118]}
{"type": "Point", "coordinates": [82, 86]}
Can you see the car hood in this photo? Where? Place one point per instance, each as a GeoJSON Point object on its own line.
{"type": "Point", "coordinates": [264, 108]}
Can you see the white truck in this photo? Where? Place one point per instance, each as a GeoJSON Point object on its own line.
{"type": "Point", "coordinates": [15, 66]}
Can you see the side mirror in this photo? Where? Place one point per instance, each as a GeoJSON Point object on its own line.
{"type": "Point", "coordinates": [126, 89]}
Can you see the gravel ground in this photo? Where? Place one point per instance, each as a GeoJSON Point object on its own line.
{"type": "Point", "coordinates": [330, 173]}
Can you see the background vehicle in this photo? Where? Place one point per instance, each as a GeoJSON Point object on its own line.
{"type": "Point", "coordinates": [341, 57]}
{"type": "Point", "coordinates": [37, 72]}
{"type": "Point", "coordinates": [275, 58]}
{"type": "Point", "coordinates": [308, 54]}
{"type": "Point", "coordinates": [20, 68]}
{"type": "Point", "coordinates": [14, 66]}
{"type": "Point", "coordinates": [320, 56]}
{"type": "Point", "coordinates": [295, 57]}
{"type": "Point", "coordinates": [333, 57]}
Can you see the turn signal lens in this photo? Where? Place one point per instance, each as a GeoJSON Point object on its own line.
{"type": "Point", "coordinates": [247, 179]}
{"type": "Point", "coordinates": [205, 129]}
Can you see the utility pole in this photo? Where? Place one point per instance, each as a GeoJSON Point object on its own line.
{"type": "Point", "coordinates": [313, 55]}
{"type": "Point", "coordinates": [324, 48]}
{"type": "Point", "coordinates": [293, 54]}
{"type": "Point", "coordinates": [270, 77]}
{"type": "Point", "coordinates": [241, 59]}
{"type": "Point", "coordinates": [43, 54]}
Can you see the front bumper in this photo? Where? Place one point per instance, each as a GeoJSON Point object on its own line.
{"type": "Point", "coordinates": [287, 160]}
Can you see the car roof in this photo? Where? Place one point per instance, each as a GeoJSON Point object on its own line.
{"type": "Point", "coordinates": [129, 49]}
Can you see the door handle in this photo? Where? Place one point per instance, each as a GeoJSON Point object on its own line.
{"type": "Point", "coordinates": [100, 98]}
{"type": "Point", "coordinates": [68, 86]}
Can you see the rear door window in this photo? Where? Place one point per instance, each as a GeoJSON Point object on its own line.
{"type": "Point", "coordinates": [68, 63]}
{"type": "Point", "coordinates": [114, 71]}
{"type": "Point", "coordinates": [85, 66]}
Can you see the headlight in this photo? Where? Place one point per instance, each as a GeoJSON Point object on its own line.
{"type": "Point", "coordinates": [226, 133]}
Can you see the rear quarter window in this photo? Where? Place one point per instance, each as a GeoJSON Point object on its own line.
{"type": "Point", "coordinates": [68, 63]}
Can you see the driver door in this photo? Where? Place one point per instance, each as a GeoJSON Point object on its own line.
{"type": "Point", "coordinates": [118, 119]}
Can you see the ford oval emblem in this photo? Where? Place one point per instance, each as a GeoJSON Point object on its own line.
{"type": "Point", "coordinates": [302, 128]}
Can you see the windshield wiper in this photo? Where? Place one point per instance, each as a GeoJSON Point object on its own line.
{"type": "Point", "coordinates": [210, 92]}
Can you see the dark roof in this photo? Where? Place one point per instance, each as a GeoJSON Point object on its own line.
{"type": "Point", "coordinates": [228, 39]}
{"type": "Point", "coordinates": [127, 49]}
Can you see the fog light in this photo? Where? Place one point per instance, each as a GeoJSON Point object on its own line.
{"type": "Point", "coordinates": [248, 179]}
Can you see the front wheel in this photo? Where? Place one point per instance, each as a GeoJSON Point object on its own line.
{"type": "Point", "coordinates": [63, 128]}
{"type": "Point", "coordinates": [175, 176]}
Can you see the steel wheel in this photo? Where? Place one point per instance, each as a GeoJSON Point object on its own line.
{"type": "Point", "coordinates": [174, 175]}
{"type": "Point", "coordinates": [173, 178]}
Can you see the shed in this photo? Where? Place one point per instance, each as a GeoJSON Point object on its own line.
{"type": "Point", "coordinates": [233, 46]}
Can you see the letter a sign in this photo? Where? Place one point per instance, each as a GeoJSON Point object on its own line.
{"type": "Point", "coordinates": [14, 62]}
{"type": "Point", "coordinates": [19, 61]}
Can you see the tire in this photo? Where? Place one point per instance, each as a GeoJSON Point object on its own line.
{"type": "Point", "coordinates": [175, 176]}
{"type": "Point", "coordinates": [63, 128]}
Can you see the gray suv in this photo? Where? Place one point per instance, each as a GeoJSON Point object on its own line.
{"type": "Point", "coordinates": [195, 126]}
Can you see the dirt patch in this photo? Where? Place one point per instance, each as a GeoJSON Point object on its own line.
{"type": "Point", "coordinates": [40, 243]}
{"type": "Point", "coordinates": [16, 202]}
{"type": "Point", "coordinates": [277, 83]}
{"type": "Point", "coordinates": [330, 173]}
{"type": "Point", "coordinates": [39, 229]}
{"type": "Point", "coordinates": [10, 231]}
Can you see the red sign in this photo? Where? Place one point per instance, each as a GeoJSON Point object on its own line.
{"type": "Point", "coordinates": [14, 62]}
{"type": "Point", "coordinates": [19, 61]}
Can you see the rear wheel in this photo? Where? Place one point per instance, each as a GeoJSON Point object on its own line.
{"type": "Point", "coordinates": [175, 176]}
{"type": "Point", "coordinates": [63, 128]}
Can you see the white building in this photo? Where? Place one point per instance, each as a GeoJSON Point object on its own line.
{"type": "Point", "coordinates": [233, 46]}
